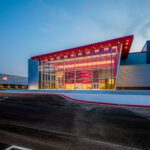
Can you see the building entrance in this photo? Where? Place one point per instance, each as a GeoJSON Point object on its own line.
{"type": "Point", "coordinates": [95, 86]}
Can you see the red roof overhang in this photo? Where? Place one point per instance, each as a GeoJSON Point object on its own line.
{"type": "Point", "coordinates": [125, 41]}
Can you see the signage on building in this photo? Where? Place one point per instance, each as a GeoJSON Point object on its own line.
{"type": "Point", "coordinates": [4, 78]}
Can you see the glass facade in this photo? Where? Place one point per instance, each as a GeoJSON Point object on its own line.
{"type": "Point", "coordinates": [89, 69]}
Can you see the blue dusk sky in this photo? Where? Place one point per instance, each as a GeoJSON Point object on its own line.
{"type": "Point", "coordinates": [32, 27]}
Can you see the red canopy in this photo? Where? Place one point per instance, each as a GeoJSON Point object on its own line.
{"type": "Point", "coordinates": [125, 41]}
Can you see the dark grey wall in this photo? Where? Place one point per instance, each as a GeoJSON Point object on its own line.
{"type": "Point", "coordinates": [33, 74]}
{"type": "Point", "coordinates": [134, 76]}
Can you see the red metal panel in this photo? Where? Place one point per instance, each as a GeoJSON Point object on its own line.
{"type": "Point", "coordinates": [125, 41]}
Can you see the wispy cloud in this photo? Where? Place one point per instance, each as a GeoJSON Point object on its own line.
{"type": "Point", "coordinates": [142, 34]}
{"type": "Point", "coordinates": [46, 25]}
{"type": "Point", "coordinates": [45, 30]}
{"type": "Point", "coordinates": [145, 30]}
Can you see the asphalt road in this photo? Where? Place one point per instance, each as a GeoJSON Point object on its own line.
{"type": "Point", "coordinates": [46, 122]}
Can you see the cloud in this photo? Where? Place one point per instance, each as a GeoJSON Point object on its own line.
{"type": "Point", "coordinates": [100, 21]}
{"type": "Point", "coordinates": [45, 30]}
{"type": "Point", "coordinates": [142, 34]}
{"type": "Point", "coordinates": [64, 14]}
{"type": "Point", "coordinates": [145, 30]}
{"type": "Point", "coordinates": [40, 0]}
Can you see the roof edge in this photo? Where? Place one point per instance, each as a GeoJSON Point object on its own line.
{"type": "Point", "coordinates": [106, 42]}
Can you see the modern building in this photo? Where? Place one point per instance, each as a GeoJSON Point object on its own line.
{"type": "Point", "coordinates": [13, 82]}
{"type": "Point", "coordinates": [102, 65]}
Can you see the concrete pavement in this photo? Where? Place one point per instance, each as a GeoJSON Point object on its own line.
{"type": "Point", "coordinates": [43, 122]}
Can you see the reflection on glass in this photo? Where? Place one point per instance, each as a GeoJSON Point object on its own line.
{"type": "Point", "coordinates": [94, 69]}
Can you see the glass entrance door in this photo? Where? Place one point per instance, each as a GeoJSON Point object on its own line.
{"type": "Point", "coordinates": [95, 86]}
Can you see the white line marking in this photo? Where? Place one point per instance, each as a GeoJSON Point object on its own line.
{"type": "Point", "coordinates": [3, 98]}
{"type": "Point", "coordinates": [17, 147]}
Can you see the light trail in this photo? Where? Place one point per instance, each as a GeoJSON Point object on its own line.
{"type": "Point", "coordinates": [3, 98]}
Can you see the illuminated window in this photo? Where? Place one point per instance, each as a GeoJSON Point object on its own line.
{"type": "Point", "coordinates": [88, 70]}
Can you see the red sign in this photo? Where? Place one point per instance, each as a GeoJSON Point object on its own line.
{"type": "Point", "coordinates": [4, 78]}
